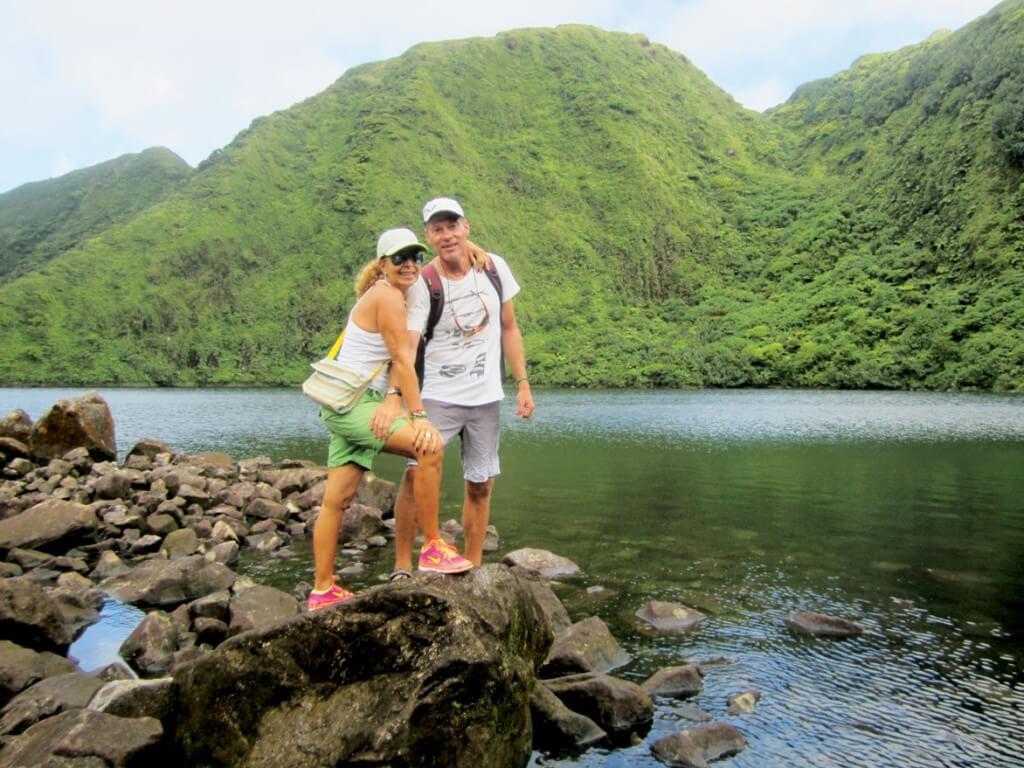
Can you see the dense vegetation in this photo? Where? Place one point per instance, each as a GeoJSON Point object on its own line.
{"type": "Point", "coordinates": [43, 219]}
{"type": "Point", "coordinates": [867, 233]}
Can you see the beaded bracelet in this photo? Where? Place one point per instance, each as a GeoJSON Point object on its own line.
{"type": "Point", "coordinates": [420, 414]}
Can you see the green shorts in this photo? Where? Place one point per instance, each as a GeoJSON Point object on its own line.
{"type": "Point", "coordinates": [352, 440]}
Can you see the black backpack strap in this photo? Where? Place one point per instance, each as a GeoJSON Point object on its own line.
{"type": "Point", "coordinates": [491, 270]}
{"type": "Point", "coordinates": [433, 281]}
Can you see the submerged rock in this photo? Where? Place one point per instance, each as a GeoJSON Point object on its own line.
{"type": "Point", "coordinates": [820, 625]}
{"type": "Point", "coordinates": [670, 618]}
{"type": "Point", "coordinates": [680, 681]}
{"type": "Point", "coordinates": [696, 747]}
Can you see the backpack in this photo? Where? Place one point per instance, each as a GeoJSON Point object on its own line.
{"type": "Point", "coordinates": [433, 281]}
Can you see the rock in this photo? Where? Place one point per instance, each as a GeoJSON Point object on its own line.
{"type": "Point", "coordinates": [743, 703]}
{"type": "Point", "coordinates": [30, 618]}
{"type": "Point", "coordinates": [360, 523]}
{"type": "Point", "coordinates": [28, 559]}
{"type": "Point", "coordinates": [117, 485]}
{"type": "Point", "coordinates": [292, 481]}
{"type": "Point", "coordinates": [669, 618]}
{"type": "Point", "coordinates": [266, 542]}
{"type": "Point", "coordinates": [545, 564]}
{"type": "Point", "coordinates": [398, 671]}
{"type": "Point", "coordinates": [51, 525]}
{"type": "Point", "coordinates": [10, 570]}
{"type": "Point", "coordinates": [587, 646]}
{"type": "Point", "coordinates": [259, 606]}
{"type": "Point", "coordinates": [492, 542]}
{"type": "Point", "coordinates": [225, 553]}
{"type": "Point", "coordinates": [169, 582]}
{"type": "Point", "coordinates": [617, 706]}
{"type": "Point", "coordinates": [149, 448]}
{"type": "Point", "coordinates": [215, 606]}
{"type": "Point", "coordinates": [557, 616]}
{"type": "Point", "coordinates": [681, 681]}
{"type": "Point", "coordinates": [80, 421]}
{"type": "Point", "coordinates": [819, 625]}
{"type": "Point", "coordinates": [46, 698]}
{"type": "Point", "coordinates": [21, 667]}
{"type": "Point", "coordinates": [375, 492]}
{"type": "Point", "coordinates": [556, 728]}
{"type": "Point", "coordinates": [17, 467]}
{"type": "Point", "coordinates": [161, 524]}
{"type": "Point", "coordinates": [71, 736]}
{"type": "Point", "coordinates": [211, 632]}
{"type": "Point", "coordinates": [180, 543]}
{"type": "Point", "coordinates": [114, 671]}
{"type": "Point", "coordinates": [267, 509]}
{"type": "Point", "coordinates": [150, 648]}
{"type": "Point", "coordinates": [79, 607]}
{"type": "Point", "coordinates": [17, 425]}
{"type": "Point", "coordinates": [145, 545]}
{"type": "Point", "coordinates": [136, 698]}
{"type": "Point", "coordinates": [696, 747]}
{"type": "Point", "coordinates": [109, 564]}
{"type": "Point", "coordinates": [11, 449]}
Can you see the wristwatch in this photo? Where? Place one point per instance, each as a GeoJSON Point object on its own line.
{"type": "Point", "coordinates": [393, 391]}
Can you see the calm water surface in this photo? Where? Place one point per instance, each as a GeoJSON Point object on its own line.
{"type": "Point", "coordinates": [901, 511]}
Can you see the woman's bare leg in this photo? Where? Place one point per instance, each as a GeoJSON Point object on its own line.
{"type": "Point", "coordinates": [342, 484]}
{"type": "Point", "coordinates": [427, 485]}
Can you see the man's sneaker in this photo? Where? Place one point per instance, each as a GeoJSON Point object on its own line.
{"type": "Point", "coordinates": [332, 596]}
{"type": "Point", "coordinates": [438, 555]}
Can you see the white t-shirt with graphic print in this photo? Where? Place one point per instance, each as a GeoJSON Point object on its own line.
{"type": "Point", "coordinates": [461, 368]}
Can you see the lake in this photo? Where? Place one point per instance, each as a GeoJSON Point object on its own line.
{"type": "Point", "coordinates": [901, 511]}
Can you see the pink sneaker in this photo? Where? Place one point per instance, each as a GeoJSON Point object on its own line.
{"type": "Point", "coordinates": [332, 596]}
{"type": "Point", "coordinates": [438, 555]}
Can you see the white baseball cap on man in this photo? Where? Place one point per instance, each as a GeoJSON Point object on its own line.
{"type": "Point", "coordinates": [392, 241]}
{"type": "Point", "coordinates": [442, 205]}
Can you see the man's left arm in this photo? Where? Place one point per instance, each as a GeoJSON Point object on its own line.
{"type": "Point", "coordinates": [512, 344]}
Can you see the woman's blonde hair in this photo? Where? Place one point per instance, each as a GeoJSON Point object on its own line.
{"type": "Point", "coordinates": [369, 275]}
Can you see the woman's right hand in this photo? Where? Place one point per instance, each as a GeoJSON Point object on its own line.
{"type": "Point", "coordinates": [426, 437]}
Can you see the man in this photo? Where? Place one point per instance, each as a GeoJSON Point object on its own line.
{"type": "Point", "coordinates": [462, 387]}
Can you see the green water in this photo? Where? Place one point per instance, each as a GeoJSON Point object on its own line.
{"type": "Point", "coordinates": [900, 511]}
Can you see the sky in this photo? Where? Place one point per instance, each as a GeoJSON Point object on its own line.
{"type": "Point", "coordinates": [83, 81]}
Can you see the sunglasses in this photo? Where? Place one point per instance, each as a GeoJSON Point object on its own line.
{"type": "Point", "coordinates": [415, 255]}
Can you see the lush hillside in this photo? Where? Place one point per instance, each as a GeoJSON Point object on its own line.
{"type": "Point", "coordinates": [866, 233]}
{"type": "Point", "coordinates": [46, 218]}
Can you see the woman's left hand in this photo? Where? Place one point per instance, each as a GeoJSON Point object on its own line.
{"type": "Point", "coordinates": [384, 416]}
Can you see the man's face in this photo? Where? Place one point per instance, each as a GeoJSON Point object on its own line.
{"type": "Point", "coordinates": [447, 235]}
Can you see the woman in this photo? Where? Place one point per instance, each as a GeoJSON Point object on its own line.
{"type": "Point", "coordinates": [375, 333]}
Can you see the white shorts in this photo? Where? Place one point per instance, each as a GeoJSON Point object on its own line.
{"type": "Point", "coordinates": [478, 427]}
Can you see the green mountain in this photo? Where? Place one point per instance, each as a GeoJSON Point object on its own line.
{"type": "Point", "coordinates": [44, 219]}
{"type": "Point", "coordinates": [864, 234]}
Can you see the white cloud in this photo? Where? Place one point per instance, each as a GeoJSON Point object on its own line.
{"type": "Point", "coordinates": [92, 80]}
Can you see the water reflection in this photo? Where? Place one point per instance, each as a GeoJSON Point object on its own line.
{"type": "Point", "coordinates": [900, 511]}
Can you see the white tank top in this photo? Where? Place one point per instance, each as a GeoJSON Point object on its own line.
{"type": "Point", "coordinates": [363, 351]}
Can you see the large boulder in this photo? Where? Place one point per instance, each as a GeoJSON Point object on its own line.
{"type": "Point", "coordinates": [17, 425]}
{"type": "Point", "coordinates": [556, 728]}
{"type": "Point", "coordinates": [151, 646]}
{"type": "Point", "coordinates": [52, 525]}
{"type": "Point", "coordinates": [405, 672]}
{"type": "Point", "coordinates": [30, 618]}
{"type": "Point", "coordinates": [162, 583]}
{"type": "Point", "coordinates": [75, 422]}
{"type": "Point", "coordinates": [72, 737]}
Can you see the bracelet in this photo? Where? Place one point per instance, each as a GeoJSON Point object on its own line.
{"type": "Point", "coordinates": [420, 414]}
{"type": "Point", "coordinates": [393, 391]}
{"type": "Point", "coordinates": [521, 379]}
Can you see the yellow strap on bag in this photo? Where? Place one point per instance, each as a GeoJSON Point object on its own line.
{"type": "Point", "coordinates": [337, 344]}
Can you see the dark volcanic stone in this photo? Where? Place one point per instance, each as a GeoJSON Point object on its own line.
{"type": "Point", "coordinates": [615, 705]}
{"type": "Point", "coordinates": [586, 646]}
{"type": "Point", "coordinates": [696, 747]}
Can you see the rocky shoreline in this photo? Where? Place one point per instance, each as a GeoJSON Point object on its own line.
{"type": "Point", "coordinates": [482, 669]}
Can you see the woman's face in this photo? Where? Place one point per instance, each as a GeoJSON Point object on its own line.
{"type": "Point", "coordinates": [406, 271]}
